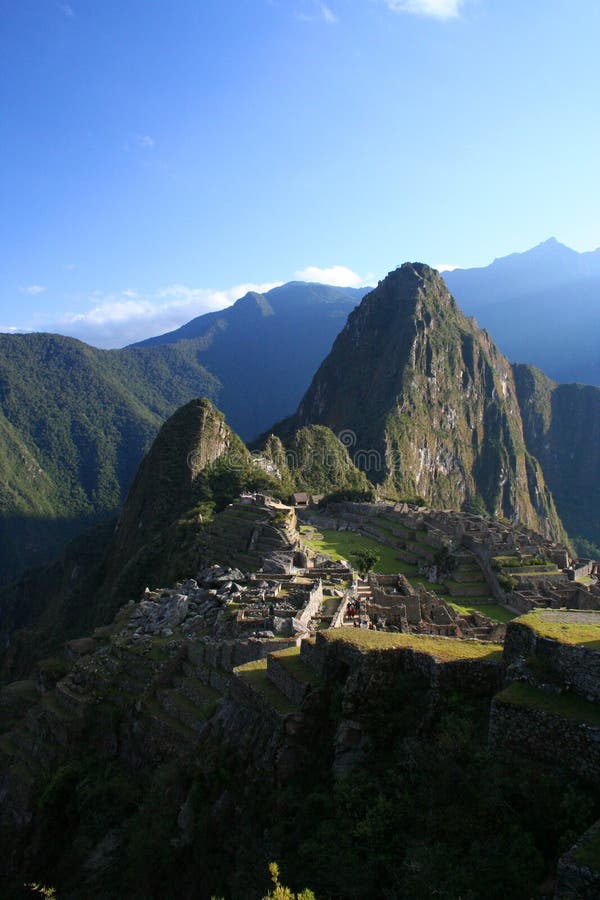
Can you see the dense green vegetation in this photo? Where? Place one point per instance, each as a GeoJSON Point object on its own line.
{"type": "Point", "coordinates": [74, 425]}
{"type": "Point", "coordinates": [314, 460]}
{"type": "Point", "coordinates": [428, 812]}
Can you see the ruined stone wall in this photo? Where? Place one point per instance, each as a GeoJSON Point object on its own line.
{"type": "Point", "coordinates": [541, 735]}
{"type": "Point", "coordinates": [581, 570]}
{"type": "Point", "coordinates": [313, 604]}
{"type": "Point", "coordinates": [522, 603]}
{"type": "Point", "coordinates": [484, 555]}
{"type": "Point", "coordinates": [338, 618]}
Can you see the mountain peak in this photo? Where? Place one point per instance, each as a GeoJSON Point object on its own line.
{"type": "Point", "coordinates": [428, 402]}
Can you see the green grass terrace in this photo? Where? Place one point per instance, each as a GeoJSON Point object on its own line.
{"type": "Point", "coordinates": [295, 666]}
{"type": "Point", "coordinates": [441, 648]}
{"type": "Point", "coordinates": [588, 852]}
{"type": "Point", "coordinates": [575, 627]}
{"type": "Point", "coordinates": [341, 545]}
{"type": "Point", "coordinates": [568, 706]}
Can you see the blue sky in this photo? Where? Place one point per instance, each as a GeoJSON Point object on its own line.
{"type": "Point", "coordinates": [159, 156]}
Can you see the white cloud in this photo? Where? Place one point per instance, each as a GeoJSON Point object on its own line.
{"type": "Point", "coordinates": [321, 12]}
{"type": "Point", "coordinates": [125, 317]}
{"type": "Point", "coordinates": [66, 10]}
{"type": "Point", "coordinates": [327, 14]}
{"type": "Point", "coordinates": [438, 9]}
{"type": "Point", "coordinates": [114, 319]}
{"type": "Point", "coordinates": [144, 140]}
{"type": "Point", "coordinates": [32, 290]}
{"type": "Point", "coordinates": [445, 267]}
{"type": "Point", "coordinates": [11, 329]}
{"type": "Point", "coordinates": [338, 275]}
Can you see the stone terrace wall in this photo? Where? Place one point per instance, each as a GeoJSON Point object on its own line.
{"type": "Point", "coordinates": [541, 735]}
{"type": "Point", "coordinates": [226, 655]}
{"type": "Point", "coordinates": [248, 699]}
{"type": "Point", "coordinates": [296, 691]}
{"type": "Point", "coordinates": [578, 665]}
{"type": "Point", "coordinates": [471, 676]}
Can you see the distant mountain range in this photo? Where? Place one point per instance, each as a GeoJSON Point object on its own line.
{"type": "Point", "coordinates": [265, 348]}
{"type": "Point", "coordinates": [541, 307]}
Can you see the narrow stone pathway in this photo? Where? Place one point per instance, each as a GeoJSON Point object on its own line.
{"type": "Point", "coordinates": [363, 595]}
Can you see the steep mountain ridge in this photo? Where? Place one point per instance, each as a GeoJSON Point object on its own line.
{"type": "Point", "coordinates": [561, 424]}
{"type": "Point", "coordinates": [428, 403]}
{"type": "Point", "coordinates": [75, 421]}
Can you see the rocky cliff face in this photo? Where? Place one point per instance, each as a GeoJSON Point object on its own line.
{"type": "Point", "coordinates": [428, 404]}
{"type": "Point", "coordinates": [562, 429]}
{"type": "Point", "coordinates": [195, 464]}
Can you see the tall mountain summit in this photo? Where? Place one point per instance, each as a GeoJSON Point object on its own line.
{"type": "Point", "coordinates": [428, 403]}
{"type": "Point", "coordinates": [541, 306]}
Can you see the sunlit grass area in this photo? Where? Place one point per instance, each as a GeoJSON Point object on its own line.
{"type": "Point", "coordinates": [571, 627]}
{"type": "Point", "coordinates": [492, 610]}
{"type": "Point", "coordinates": [444, 649]}
{"type": "Point", "coordinates": [343, 544]}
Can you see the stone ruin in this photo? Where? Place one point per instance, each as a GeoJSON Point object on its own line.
{"type": "Point", "coordinates": [396, 604]}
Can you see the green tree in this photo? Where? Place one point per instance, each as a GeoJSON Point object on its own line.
{"type": "Point", "coordinates": [365, 561]}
